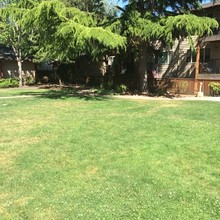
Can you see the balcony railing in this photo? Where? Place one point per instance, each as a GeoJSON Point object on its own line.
{"type": "Point", "coordinates": [210, 67]}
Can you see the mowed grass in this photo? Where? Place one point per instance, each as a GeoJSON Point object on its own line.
{"type": "Point", "coordinates": [104, 158]}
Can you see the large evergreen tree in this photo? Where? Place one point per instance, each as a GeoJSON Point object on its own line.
{"type": "Point", "coordinates": [49, 30]}
{"type": "Point", "coordinates": [144, 21]}
{"type": "Point", "coordinates": [65, 33]}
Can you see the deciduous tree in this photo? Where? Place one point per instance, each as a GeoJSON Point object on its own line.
{"type": "Point", "coordinates": [13, 30]}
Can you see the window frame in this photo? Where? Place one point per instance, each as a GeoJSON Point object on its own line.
{"type": "Point", "coordinates": [191, 54]}
{"type": "Point", "coordinates": [164, 57]}
{"type": "Point", "coordinates": [205, 55]}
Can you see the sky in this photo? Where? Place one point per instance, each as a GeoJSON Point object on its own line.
{"type": "Point", "coordinates": [117, 2]}
{"type": "Point", "coordinates": [120, 2]}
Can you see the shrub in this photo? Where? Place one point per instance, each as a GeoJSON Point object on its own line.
{"type": "Point", "coordinates": [6, 83]}
{"type": "Point", "coordinates": [215, 88]}
{"type": "Point", "coordinates": [29, 80]}
{"type": "Point", "coordinates": [121, 89]}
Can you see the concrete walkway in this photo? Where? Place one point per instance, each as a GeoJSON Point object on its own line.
{"type": "Point", "coordinates": [140, 97]}
{"type": "Point", "coordinates": [18, 96]}
{"type": "Point", "coordinates": [181, 98]}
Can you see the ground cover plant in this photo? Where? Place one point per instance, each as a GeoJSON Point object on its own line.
{"type": "Point", "coordinates": [6, 83]}
{"type": "Point", "coordinates": [88, 157]}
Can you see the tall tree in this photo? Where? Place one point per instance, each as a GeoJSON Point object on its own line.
{"type": "Point", "coordinates": [65, 33]}
{"type": "Point", "coordinates": [49, 30]}
{"type": "Point", "coordinates": [144, 21]}
{"type": "Point", "coordinates": [13, 31]}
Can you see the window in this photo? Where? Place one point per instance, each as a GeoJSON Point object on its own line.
{"type": "Point", "coordinates": [205, 54]}
{"type": "Point", "coordinates": [163, 57]}
{"type": "Point", "coordinates": [191, 56]}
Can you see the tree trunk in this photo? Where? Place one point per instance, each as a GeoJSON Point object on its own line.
{"type": "Point", "coordinates": [20, 72]}
{"type": "Point", "coordinates": [142, 71]}
{"type": "Point", "coordinates": [57, 77]}
{"type": "Point", "coordinates": [197, 68]}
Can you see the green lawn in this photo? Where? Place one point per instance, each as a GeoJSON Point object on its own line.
{"type": "Point", "coordinates": [66, 157]}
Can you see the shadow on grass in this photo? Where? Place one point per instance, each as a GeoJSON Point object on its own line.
{"type": "Point", "coordinates": [79, 92]}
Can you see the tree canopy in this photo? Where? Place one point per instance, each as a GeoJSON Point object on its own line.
{"type": "Point", "coordinates": [154, 20]}
{"type": "Point", "coordinates": [64, 33]}
{"type": "Point", "coordinates": [14, 32]}
{"type": "Point", "coordinates": [49, 30]}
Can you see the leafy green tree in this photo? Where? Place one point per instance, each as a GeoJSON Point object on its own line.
{"type": "Point", "coordinates": [51, 31]}
{"type": "Point", "coordinates": [145, 21]}
{"type": "Point", "coordinates": [13, 30]}
{"type": "Point", "coordinates": [64, 33]}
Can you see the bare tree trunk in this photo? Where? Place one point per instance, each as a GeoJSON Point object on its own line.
{"type": "Point", "coordinates": [197, 68]}
{"type": "Point", "coordinates": [57, 77]}
{"type": "Point", "coordinates": [56, 66]}
{"type": "Point", "coordinates": [20, 72]}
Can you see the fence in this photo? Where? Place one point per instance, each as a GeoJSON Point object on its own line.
{"type": "Point", "coordinates": [185, 86]}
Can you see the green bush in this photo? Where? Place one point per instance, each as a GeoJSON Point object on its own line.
{"type": "Point", "coordinates": [121, 89]}
{"type": "Point", "coordinates": [29, 80]}
{"type": "Point", "coordinates": [6, 83]}
{"type": "Point", "coordinates": [215, 88]}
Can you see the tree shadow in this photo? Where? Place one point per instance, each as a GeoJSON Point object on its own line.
{"type": "Point", "coordinates": [66, 92]}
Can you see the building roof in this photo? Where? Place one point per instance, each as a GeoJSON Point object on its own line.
{"type": "Point", "coordinates": [211, 4]}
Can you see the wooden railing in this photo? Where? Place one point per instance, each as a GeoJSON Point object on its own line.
{"type": "Point", "coordinates": [210, 67]}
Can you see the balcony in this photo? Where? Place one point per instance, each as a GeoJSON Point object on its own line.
{"type": "Point", "coordinates": [209, 69]}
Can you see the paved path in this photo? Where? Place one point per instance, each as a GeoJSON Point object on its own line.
{"type": "Point", "coordinates": [141, 97]}
{"type": "Point", "coordinates": [182, 98]}
{"type": "Point", "coordinates": [18, 96]}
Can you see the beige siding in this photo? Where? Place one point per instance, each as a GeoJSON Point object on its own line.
{"type": "Point", "coordinates": [10, 69]}
{"type": "Point", "coordinates": [178, 67]}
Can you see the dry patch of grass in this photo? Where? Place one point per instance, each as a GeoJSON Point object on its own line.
{"type": "Point", "coordinates": [3, 210]}
{"type": "Point", "coordinates": [7, 159]}
{"type": "Point", "coordinates": [89, 173]}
